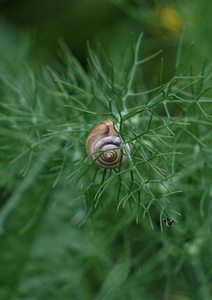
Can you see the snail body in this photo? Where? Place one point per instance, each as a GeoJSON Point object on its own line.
{"type": "Point", "coordinates": [104, 139]}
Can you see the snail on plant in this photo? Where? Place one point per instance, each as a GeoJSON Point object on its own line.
{"type": "Point", "coordinates": [103, 146]}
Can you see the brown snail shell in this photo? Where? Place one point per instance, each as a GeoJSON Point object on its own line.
{"type": "Point", "coordinates": [104, 137]}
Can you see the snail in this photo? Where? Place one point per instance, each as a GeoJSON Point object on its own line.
{"type": "Point", "coordinates": [103, 137]}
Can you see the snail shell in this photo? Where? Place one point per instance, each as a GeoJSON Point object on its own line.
{"type": "Point", "coordinates": [103, 137]}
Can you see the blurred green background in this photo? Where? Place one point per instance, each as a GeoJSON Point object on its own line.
{"type": "Point", "coordinates": [44, 254]}
{"type": "Point", "coordinates": [108, 22]}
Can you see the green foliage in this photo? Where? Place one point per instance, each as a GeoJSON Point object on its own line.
{"type": "Point", "coordinates": [50, 186]}
{"type": "Point", "coordinates": [155, 123]}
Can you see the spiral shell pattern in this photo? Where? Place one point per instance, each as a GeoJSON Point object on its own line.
{"type": "Point", "coordinates": [103, 146]}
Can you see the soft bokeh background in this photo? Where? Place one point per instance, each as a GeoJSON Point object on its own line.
{"type": "Point", "coordinates": [44, 253]}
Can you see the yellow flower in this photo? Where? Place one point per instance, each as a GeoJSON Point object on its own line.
{"type": "Point", "coordinates": [168, 21]}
